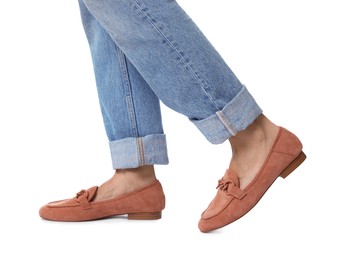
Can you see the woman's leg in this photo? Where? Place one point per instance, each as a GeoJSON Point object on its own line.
{"type": "Point", "coordinates": [178, 63]}
{"type": "Point", "coordinates": [188, 75]}
{"type": "Point", "coordinates": [130, 110]}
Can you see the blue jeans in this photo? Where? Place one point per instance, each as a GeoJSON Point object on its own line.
{"type": "Point", "coordinates": [144, 51]}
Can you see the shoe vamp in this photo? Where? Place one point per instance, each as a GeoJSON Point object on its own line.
{"type": "Point", "coordinates": [217, 205]}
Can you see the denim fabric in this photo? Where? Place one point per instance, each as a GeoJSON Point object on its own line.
{"type": "Point", "coordinates": [150, 50]}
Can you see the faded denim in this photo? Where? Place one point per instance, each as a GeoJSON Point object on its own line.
{"type": "Point", "coordinates": [144, 51]}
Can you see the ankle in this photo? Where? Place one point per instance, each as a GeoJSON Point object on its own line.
{"type": "Point", "coordinates": [144, 173]}
{"type": "Point", "coordinates": [250, 148]}
{"type": "Point", "coordinates": [260, 131]}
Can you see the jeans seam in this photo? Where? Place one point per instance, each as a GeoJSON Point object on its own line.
{"type": "Point", "coordinates": [225, 121]}
{"type": "Point", "coordinates": [130, 106]}
{"type": "Point", "coordinates": [128, 94]}
{"type": "Point", "coordinates": [172, 45]}
{"type": "Point", "coordinates": [140, 146]}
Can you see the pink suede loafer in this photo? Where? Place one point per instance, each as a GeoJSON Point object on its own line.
{"type": "Point", "coordinates": [145, 203]}
{"type": "Point", "coordinates": [231, 202]}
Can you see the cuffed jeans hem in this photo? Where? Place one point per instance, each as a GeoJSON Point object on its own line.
{"type": "Point", "coordinates": [237, 115]}
{"type": "Point", "coordinates": [134, 152]}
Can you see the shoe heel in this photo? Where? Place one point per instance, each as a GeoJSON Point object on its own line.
{"type": "Point", "coordinates": [293, 165]}
{"type": "Point", "coordinates": [144, 216]}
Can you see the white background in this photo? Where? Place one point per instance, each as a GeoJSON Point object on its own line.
{"type": "Point", "coordinates": [292, 57]}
